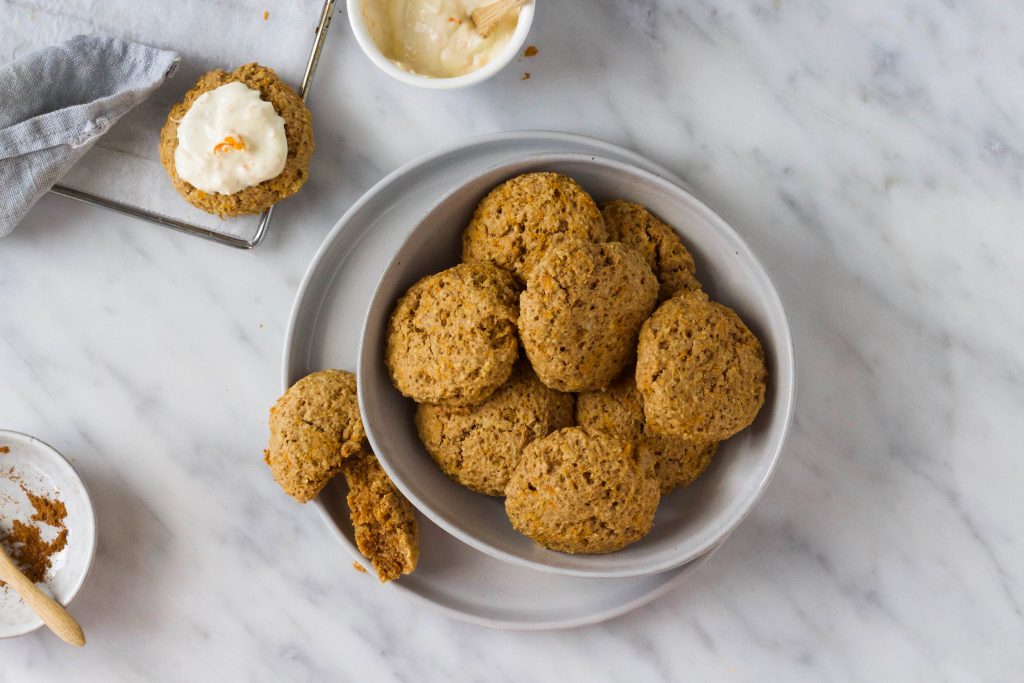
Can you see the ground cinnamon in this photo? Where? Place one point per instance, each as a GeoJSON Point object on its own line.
{"type": "Point", "coordinates": [25, 543]}
{"type": "Point", "coordinates": [48, 511]}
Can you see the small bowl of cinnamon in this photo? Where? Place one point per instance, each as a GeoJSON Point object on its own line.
{"type": "Point", "coordinates": [47, 526]}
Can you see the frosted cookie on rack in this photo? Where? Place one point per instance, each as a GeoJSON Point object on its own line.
{"type": "Point", "coordinates": [238, 143]}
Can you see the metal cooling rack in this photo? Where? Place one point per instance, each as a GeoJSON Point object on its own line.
{"type": "Point", "coordinates": [196, 230]}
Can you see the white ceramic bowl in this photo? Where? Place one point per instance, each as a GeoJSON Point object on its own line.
{"type": "Point", "coordinates": [690, 521]}
{"type": "Point", "coordinates": [42, 470]}
{"type": "Point", "coordinates": [357, 20]}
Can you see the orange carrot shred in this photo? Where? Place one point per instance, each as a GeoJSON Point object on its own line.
{"type": "Point", "coordinates": [229, 143]}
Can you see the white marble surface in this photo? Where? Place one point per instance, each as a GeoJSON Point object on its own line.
{"type": "Point", "coordinates": [871, 152]}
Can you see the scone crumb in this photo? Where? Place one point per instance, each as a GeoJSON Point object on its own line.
{"type": "Point", "coordinates": [359, 568]}
{"type": "Point", "coordinates": [526, 75]}
{"type": "Point", "coordinates": [5, 449]}
{"type": "Point", "coordinates": [531, 51]}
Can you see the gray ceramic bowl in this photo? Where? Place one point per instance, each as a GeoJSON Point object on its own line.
{"type": "Point", "coordinates": [690, 521]}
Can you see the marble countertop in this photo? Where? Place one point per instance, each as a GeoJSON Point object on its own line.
{"type": "Point", "coordinates": [872, 154]}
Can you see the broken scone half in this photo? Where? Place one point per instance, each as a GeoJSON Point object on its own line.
{"type": "Point", "coordinates": [316, 432]}
{"type": "Point", "coordinates": [384, 521]}
{"type": "Point", "coordinates": [314, 427]}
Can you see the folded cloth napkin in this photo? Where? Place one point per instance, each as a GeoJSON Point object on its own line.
{"type": "Point", "coordinates": [54, 103]}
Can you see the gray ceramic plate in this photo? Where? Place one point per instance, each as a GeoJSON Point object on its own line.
{"type": "Point", "coordinates": [324, 332]}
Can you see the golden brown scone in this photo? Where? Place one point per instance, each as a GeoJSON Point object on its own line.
{"type": "Point", "coordinates": [518, 220]}
{"type": "Point", "coordinates": [314, 427]}
{"type": "Point", "coordinates": [386, 530]}
{"type": "Point", "coordinates": [452, 336]}
{"type": "Point", "coordinates": [619, 410]}
{"type": "Point", "coordinates": [581, 313]}
{"type": "Point", "coordinates": [479, 447]}
{"type": "Point", "coordinates": [583, 492]}
{"type": "Point", "coordinates": [298, 130]}
{"type": "Point", "coordinates": [700, 370]}
{"type": "Point", "coordinates": [635, 226]}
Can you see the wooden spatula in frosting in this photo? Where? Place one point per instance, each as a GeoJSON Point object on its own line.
{"type": "Point", "coordinates": [48, 609]}
{"type": "Point", "coordinates": [487, 18]}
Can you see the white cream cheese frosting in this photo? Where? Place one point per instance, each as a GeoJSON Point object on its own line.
{"type": "Point", "coordinates": [434, 37]}
{"type": "Point", "coordinates": [230, 139]}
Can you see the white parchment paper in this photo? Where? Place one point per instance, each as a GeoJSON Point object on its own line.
{"type": "Point", "coordinates": [124, 165]}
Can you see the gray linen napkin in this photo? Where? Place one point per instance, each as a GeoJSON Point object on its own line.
{"type": "Point", "coordinates": [54, 103]}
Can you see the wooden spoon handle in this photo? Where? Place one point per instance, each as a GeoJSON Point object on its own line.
{"type": "Point", "coordinates": [487, 18]}
{"type": "Point", "coordinates": [48, 609]}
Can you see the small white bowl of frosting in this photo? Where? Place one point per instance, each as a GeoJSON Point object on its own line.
{"type": "Point", "coordinates": [434, 43]}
